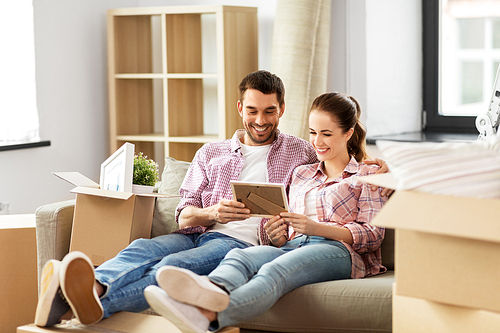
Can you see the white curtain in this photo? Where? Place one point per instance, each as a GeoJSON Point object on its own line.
{"type": "Point", "coordinates": [18, 110]}
{"type": "Point", "coordinates": [301, 43]}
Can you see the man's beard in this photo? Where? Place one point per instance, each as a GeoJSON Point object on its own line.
{"type": "Point", "coordinates": [260, 141]}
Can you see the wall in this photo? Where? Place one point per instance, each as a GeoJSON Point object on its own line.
{"type": "Point", "coordinates": [70, 60]}
{"type": "Point", "coordinates": [375, 56]}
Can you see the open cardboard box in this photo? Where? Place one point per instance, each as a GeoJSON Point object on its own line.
{"type": "Point", "coordinates": [416, 315]}
{"type": "Point", "coordinates": [105, 221]}
{"type": "Point", "coordinates": [447, 247]}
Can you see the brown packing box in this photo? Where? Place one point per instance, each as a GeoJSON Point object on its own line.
{"type": "Point", "coordinates": [120, 322]}
{"type": "Point", "coordinates": [453, 270]}
{"type": "Point", "coordinates": [446, 246]}
{"type": "Point", "coordinates": [18, 275]}
{"type": "Point", "coordinates": [416, 315]}
{"type": "Point", "coordinates": [105, 222]}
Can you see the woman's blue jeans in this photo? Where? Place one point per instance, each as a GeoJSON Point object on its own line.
{"type": "Point", "coordinates": [134, 268]}
{"type": "Point", "coordinates": [258, 276]}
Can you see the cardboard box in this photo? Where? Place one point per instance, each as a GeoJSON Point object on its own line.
{"type": "Point", "coordinates": [18, 271]}
{"type": "Point", "coordinates": [415, 315]}
{"type": "Point", "coordinates": [122, 322]}
{"type": "Point", "coordinates": [446, 247]}
{"type": "Point", "coordinates": [105, 222]}
{"type": "Point", "coordinates": [452, 270]}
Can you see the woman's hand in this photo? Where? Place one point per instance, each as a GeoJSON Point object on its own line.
{"type": "Point", "coordinates": [277, 230]}
{"type": "Point", "coordinates": [301, 223]}
{"type": "Point", "coordinates": [304, 225]}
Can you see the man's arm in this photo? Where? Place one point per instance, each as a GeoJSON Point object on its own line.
{"type": "Point", "coordinates": [383, 169]}
{"type": "Point", "coordinates": [224, 212]}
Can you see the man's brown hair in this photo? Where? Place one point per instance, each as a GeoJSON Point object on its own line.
{"type": "Point", "coordinates": [265, 82]}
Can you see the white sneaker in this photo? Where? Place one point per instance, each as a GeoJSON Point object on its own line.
{"type": "Point", "coordinates": [185, 317]}
{"type": "Point", "coordinates": [77, 278]}
{"type": "Point", "coordinates": [190, 288]}
{"type": "Point", "coordinates": [51, 304]}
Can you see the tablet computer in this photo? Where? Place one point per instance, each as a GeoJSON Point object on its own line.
{"type": "Point", "coordinates": [263, 199]}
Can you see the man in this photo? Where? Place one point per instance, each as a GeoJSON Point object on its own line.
{"type": "Point", "coordinates": [211, 223]}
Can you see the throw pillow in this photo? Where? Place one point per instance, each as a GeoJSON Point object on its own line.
{"type": "Point", "coordinates": [171, 180]}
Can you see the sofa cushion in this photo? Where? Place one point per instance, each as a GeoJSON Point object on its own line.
{"type": "Point", "coordinates": [53, 231]}
{"type": "Point", "coordinates": [171, 180]}
{"type": "Point", "coordinates": [361, 305]}
{"type": "Point", "coordinates": [387, 249]}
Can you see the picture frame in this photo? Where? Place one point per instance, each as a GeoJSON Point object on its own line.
{"type": "Point", "coordinates": [117, 170]}
{"type": "Point", "coordinates": [263, 199]}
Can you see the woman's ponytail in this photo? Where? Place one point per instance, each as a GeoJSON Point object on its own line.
{"type": "Point", "coordinates": [357, 144]}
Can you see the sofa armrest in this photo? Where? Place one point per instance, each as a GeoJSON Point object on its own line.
{"type": "Point", "coordinates": [53, 231]}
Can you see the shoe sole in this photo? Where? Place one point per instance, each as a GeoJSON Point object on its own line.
{"type": "Point", "coordinates": [182, 286]}
{"type": "Point", "coordinates": [49, 287]}
{"type": "Point", "coordinates": [169, 312]}
{"type": "Point", "coordinates": [77, 283]}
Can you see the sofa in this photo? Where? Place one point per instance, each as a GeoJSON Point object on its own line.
{"type": "Point", "coordinates": [362, 305]}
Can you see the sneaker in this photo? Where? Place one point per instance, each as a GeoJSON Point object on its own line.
{"type": "Point", "coordinates": [51, 304]}
{"type": "Point", "coordinates": [77, 278]}
{"type": "Point", "coordinates": [187, 318]}
{"type": "Point", "coordinates": [190, 288]}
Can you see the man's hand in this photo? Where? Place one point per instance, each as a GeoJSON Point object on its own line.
{"type": "Point", "coordinates": [228, 210]}
{"type": "Point", "coordinates": [383, 169]}
{"type": "Point", "coordinates": [223, 212]}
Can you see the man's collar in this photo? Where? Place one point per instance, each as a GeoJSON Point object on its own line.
{"type": "Point", "coordinates": [236, 143]}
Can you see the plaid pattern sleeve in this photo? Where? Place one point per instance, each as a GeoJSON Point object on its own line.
{"type": "Point", "coordinates": [349, 203]}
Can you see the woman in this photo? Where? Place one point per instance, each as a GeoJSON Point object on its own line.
{"type": "Point", "coordinates": [326, 236]}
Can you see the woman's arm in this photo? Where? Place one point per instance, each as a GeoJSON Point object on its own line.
{"type": "Point", "coordinates": [366, 236]}
{"type": "Point", "coordinates": [304, 225]}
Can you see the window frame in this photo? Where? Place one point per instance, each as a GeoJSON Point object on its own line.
{"type": "Point", "coordinates": [433, 121]}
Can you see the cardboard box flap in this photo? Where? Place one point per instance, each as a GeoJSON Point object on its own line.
{"type": "Point", "coordinates": [76, 179]}
{"type": "Point", "coordinates": [386, 180]}
{"type": "Point", "coordinates": [102, 193]}
{"type": "Point", "coordinates": [449, 215]}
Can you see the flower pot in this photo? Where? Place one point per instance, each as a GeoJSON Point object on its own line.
{"type": "Point", "coordinates": [142, 189]}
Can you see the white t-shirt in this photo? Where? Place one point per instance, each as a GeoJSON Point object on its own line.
{"type": "Point", "coordinates": [310, 204]}
{"type": "Point", "coordinates": [254, 170]}
{"type": "Point", "coordinates": [310, 208]}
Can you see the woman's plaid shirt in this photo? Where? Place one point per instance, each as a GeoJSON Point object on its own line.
{"type": "Point", "coordinates": [345, 202]}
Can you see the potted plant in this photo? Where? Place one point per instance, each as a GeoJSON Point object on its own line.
{"type": "Point", "coordinates": [145, 174]}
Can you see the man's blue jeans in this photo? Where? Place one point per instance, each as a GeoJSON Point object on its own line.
{"type": "Point", "coordinates": [257, 277]}
{"type": "Point", "coordinates": [134, 268]}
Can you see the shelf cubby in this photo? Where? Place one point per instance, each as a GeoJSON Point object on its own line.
{"type": "Point", "coordinates": [174, 73]}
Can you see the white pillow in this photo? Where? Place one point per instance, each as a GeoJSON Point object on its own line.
{"type": "Point", "coordinates": [171, 179]}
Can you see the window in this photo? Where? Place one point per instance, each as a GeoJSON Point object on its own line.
{"type": "Point", "coordinates": [18, 110]}
{"type": "Point", "coordinates": [461, 57]}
